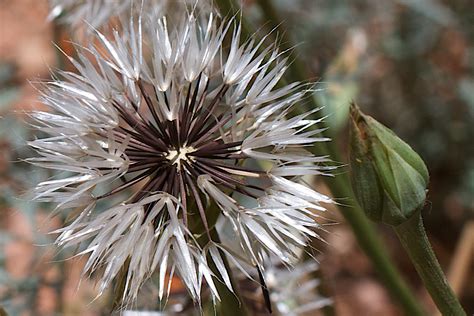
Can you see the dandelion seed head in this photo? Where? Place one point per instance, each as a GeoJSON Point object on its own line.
{"type": "Point", "coordinates": [165, 122]}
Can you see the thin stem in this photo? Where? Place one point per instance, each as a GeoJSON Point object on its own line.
{"type": "Point", "coordinates": [232, 8]}
{"type": "Point", "coordinates": [340, 186]}
{"type": "Point", "coordinates": [231, 304]}
{"type": "Point", "coordinates": [57, 39]}
{"type": "Point", "coordinates": [370, 242]}
{"type": "Point", "coordinates": [413, 238]}
{"type": "Point", "coordinates": [119, 288]}
{"type": "Point", "coordinates": [297, 71]}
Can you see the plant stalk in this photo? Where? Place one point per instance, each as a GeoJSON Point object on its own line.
{"type": "Point", "coordinates": [297, 71]}
{"type": "Point", "coordinates": [119, 287]}
{"type": "Point", "coordinates": [371, 244]}
{"type": "Point", "coordinates": [340, 186]}
{"type": "Point", "coordinates": [231, 304]}
{"type": "Point", "coordinates": [413, 237]}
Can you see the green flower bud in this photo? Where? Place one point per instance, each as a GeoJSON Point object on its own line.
{"type": "Point", "coordinates": [389, 178]}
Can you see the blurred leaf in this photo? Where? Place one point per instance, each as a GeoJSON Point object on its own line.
{"type": "Point", "coordinates": [7, 71]}
{"type": "Point", "coordinates": [431, 9]}
{"type": "Point", "coordinates": [8, 93]}
{"type": "Point", "coordinates": [14, 130]}
{"type": "Point", "coordinates": [4, 277]}
{"type": "Point", "coordinates": [11, 308]}
{"type": "Point", "coordinates": [466, 92]}
{"type": "Point", "coordinates": [7, 97]}
{"type": "Point", "coordinates": [468, 187]}
{"type": "Point", "coordinates": [3, 312]}
{"type": "Point", "coordinates": [336, 98]}
{"type": "Point", "coordinates": [4, 238]}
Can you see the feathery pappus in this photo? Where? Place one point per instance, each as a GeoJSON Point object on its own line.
{"type": "Point", "coordinates": [174, 129]}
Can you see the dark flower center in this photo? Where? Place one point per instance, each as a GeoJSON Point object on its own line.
{"type": "Point", "coordinates": [169, 155]}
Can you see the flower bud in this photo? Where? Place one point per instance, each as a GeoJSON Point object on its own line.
{"type": "Point", "coordinates": [389, 178]}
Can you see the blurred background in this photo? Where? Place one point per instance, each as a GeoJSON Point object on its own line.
{"type": "Point", "coordinates": [408, 63]}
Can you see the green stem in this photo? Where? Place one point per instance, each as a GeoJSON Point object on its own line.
{"type": "Point", "coordinates": [119, 288]}
{"type": "Point", "coordinates": [231, 304]}
{"type": "Point", "coordinates": [230, 8]}
{"type": "Point", "coordinates": [340, 186]}
{"type": "Point", "coordinates": [371, 244]}
{"type": "Point", "coordinates": [413, 238]}
{"type": "Point", "coordinates": [60, 58]}
{"type": "Point", "coordinates": [297, 70]}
